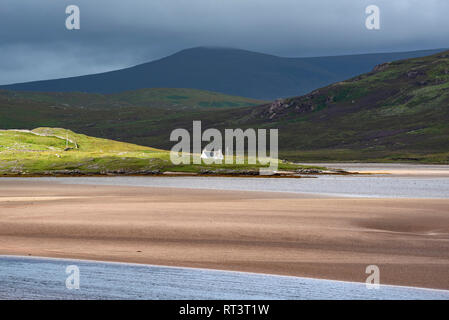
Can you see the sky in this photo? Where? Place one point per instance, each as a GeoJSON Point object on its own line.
{"type": "Point", "coordinates": [35, 43]}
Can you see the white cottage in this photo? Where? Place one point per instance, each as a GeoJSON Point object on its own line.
{"type": "Point", "coordinates": [216, 155]}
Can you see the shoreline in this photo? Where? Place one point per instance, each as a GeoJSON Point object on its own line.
{"type": "Point", "coordinates": [181, 174]}
{"type": "Point", "coordinates": [210, 269]}
{"type": "Point", "coordinates": [392, 169]}
{"type": "Point", "coordinates": [331, 169]}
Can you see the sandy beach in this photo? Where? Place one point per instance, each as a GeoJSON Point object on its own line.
{"type": "Point", "coordinates": [394, 169]}
{"type": "Point", "coordinates": [277, 233]}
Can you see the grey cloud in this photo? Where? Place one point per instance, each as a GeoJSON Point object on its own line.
{"type": "Point", "coordinates": [34, 43]}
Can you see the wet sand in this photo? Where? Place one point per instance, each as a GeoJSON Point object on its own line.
{"type": "Point", "coordinates": [278, 233]}
{"type": "Point", "coordinates": [395, 169]}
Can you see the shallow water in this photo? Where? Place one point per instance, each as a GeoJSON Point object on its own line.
{"type": "Point", "coordinates": [341, 186]}
{"type": "Point", "coordinates": [41, 278]}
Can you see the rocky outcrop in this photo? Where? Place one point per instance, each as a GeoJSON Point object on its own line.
{"type": "Point", "coordinates": [303, 104]}
{"type": "Point", "coordinates": [412, 74]}
{"type": "Point", "coordinates": [381, 67]}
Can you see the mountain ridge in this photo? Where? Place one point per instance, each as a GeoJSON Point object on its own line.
{"type": "Point", "coordinates": [226, 70]}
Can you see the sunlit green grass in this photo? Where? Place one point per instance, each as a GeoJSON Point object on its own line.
{"type": "Point", "coordinates": [61, 151]}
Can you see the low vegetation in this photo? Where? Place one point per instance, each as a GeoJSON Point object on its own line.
{"type": "Point", "coordinates": [54, 151]}
{"type": "Point", "coordinates": [399, 112]}
{"type": "Point", "coordinates": [167, 98]}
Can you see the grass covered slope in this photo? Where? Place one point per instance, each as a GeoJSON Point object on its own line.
{"type": "Point", "coordinates": [49, 150]}
{"type": "Point", "coordinates": [166, 98]}
{"type": "Point", "coordinates": [399, 111]}
{"type": "Point", "coordinates": [183, 98]}
{"type": "Point", "coordinates": [53, 151]}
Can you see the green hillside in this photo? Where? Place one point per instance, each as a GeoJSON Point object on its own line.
{"type": "Point", "coordinates": [52, 151]}
{"type": "Point", "coordinates": [49, 150]}
{"type": "Point", "coordinates": [166, 98]}
{"type": "Point", "coordinates": [397, 112]}
{"type": "Point", "coordinates": [182, 98]}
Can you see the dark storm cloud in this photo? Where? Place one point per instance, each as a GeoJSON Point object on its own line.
{"type": "Point", "coordinates": [34, 43]}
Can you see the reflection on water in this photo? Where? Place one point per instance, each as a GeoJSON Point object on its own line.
{"type": "Point", "coordinates": [40, 278]}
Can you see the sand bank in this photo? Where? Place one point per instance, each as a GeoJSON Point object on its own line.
{"type": "Point", "coordinates": [279, 233]}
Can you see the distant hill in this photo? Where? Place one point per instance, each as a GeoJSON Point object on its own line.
{"type": "Point", "coordinates": [229, 71]}
{"type": "Point", "coordinates": [399, 111]}
{"type": "Point", "coordinates": [167, 98]}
